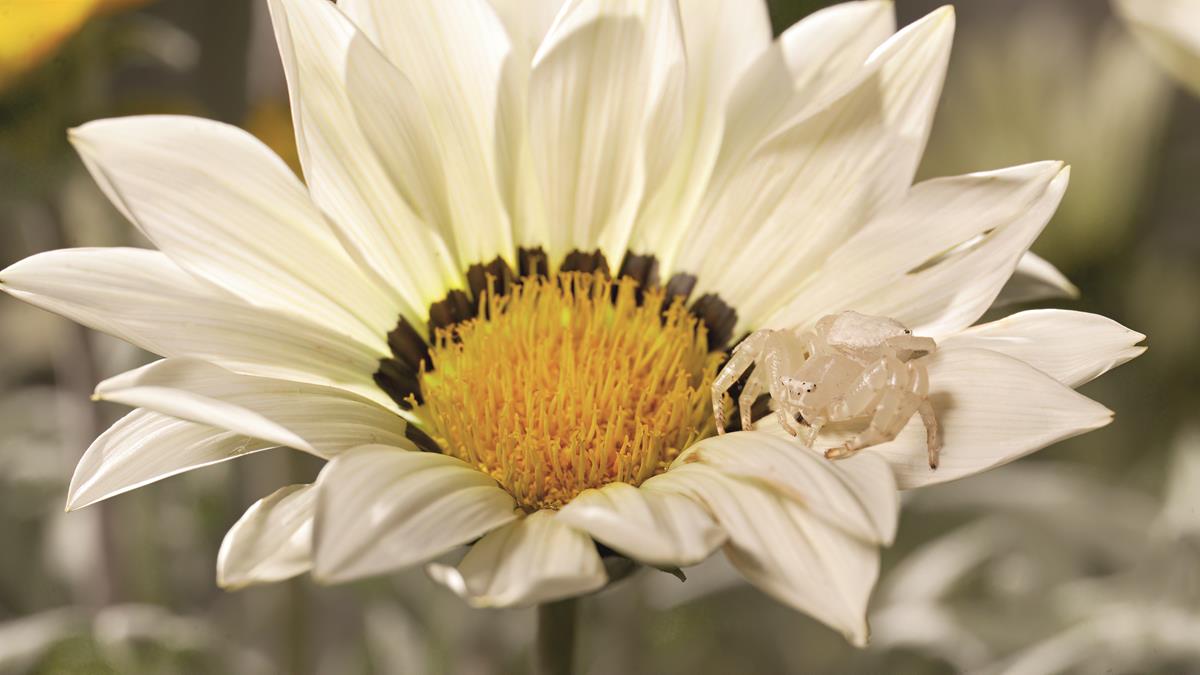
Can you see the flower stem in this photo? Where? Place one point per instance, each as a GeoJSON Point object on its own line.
{"type": "Point", "coordinates": [556, 637]}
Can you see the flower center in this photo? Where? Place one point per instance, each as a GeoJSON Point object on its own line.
{"type": "Point", "coordinates": [570, 382]}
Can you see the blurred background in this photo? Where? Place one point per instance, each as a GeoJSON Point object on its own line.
{"type": "Point", "coordinates": [1082, 558]}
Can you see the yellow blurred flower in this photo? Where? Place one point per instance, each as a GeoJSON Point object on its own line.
{"type": "Point", "coordinates": [32, 30]}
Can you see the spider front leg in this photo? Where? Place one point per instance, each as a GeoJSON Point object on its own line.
{"type": "Point", "coordinates": [744, 355]}
{"type": "Point", "coordinates": [895, 408]}
{"type": "Point", "coordinates": [787, 418]}
{"type": "Point", "coordinates": [898, 393]}
{"type": "Point", "coordinates": [749, 394]}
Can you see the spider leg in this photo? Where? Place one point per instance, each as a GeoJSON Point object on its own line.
{"type": "Point", "coordinates": [892, 413]}
{"type": "Point", "coordinates": [744, 355]}
{"type": "Point", "coordinates": [903, 389]}
{"type": "Point", "coordinates": [914, 346]}
{"type": "Point", "coordinates": [933, 435]}
{"type": "Point", "coordinates": [750, 393]}
{"type": "Point", "coordinates": [919, 385]}
{"type": "Point", "coordinates": [787, 420]}
{"type": "Point", "coordinates": [814, 429]}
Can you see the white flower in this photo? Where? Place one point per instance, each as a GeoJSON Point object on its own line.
{"type": "Point", "coordinates": [452, 151]}
{"type": "Point", "coordinates": [1170, 32]}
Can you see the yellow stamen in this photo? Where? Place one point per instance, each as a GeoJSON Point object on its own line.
{"type": "Point", "coordinates": [569, 383]}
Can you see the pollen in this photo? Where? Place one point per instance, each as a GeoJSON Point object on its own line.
{"type": "Point", "coordinates": [570, 382]}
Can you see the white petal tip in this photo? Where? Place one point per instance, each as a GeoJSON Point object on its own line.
{"type": "Point", "coordinates": [448, 576]}
{"type": "Point", "coordinates": [79, 500]}
{"type": "Point", "coordinates": [942, 19]}
{"type": "Point", "coordinates": [860, 638]}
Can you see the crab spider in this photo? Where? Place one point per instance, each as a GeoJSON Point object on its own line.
{"type": "Point", "coordinates": [850, 366]}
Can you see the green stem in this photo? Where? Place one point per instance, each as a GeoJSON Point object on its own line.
{"type": "Point", "coordinates": [556, 637]}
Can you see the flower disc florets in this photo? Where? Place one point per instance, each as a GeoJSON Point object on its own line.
{"type": "Point", "coordinates": [570, 382]}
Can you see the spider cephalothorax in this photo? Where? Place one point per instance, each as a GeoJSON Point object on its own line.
{"type": "Point", "coordinates": [849, 366]}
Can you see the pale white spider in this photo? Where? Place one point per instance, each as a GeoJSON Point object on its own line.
{"type": "Point", "coordinates": [849, 367]}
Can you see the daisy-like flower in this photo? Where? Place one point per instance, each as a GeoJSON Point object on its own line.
{"type": "Point", "coordinates": [529, 234]}
{"type": "Point", "coordinates": [1170, 32]}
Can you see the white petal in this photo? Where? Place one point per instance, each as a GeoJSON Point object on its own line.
{"type": "Point", "coordinates": [605, 90]}
{"type": "Point", "coordinates": [653, 527]}
{"type": "Point", "coordinates": [1035, 279]}
{"type": "Point", "coordinates": [453, 52]}
{"type": "Point", "coordinates": [536, 559]}
{"type": "Point", "coordinates": [813, 183]}
{"type": "Point", "coordinates": [527, 22]}
{"type": "Point", "coordinates": [396, 123]}
{"type": "Point", "coordinates": [857, 495]}
{"type": "Point", "coordinates": [785, 550]}
{"type": "Point", "coordinates": [224, 207]}
{"type": "Point", "coordinates": [721, 37]}
{"type": "Point", "coordinates": [320, 420]}
{"type": "Point", "coordinates": [937, 260]}
{"type": "Point", "coordinates": [992, 409]}
{"type": "Point", "coordinates": [1071, 347]}
{"type": "Point", "coordinates": [811, 60]}
{"type": "Point", "coordinates": [383, 508]}
{"type": "Point", "coordinates": [141, 296]}
{"type": "Point", "coordinates": [144, 447]}
{"type": "Point", "coordinates": [955, 292]}
{"type": "Point", "coordinates": [272, 541]}
{"type": "Point", "coordinates": [1170, 32]}
{"type": "Point", "coordinates": [346, 179]}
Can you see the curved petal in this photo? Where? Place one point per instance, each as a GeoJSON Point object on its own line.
{"type": "Point", "coordinates": [395, 122]}
{"type": "Point", "coordinates": [383, 508]}
{"type": "Point", "coordinates": [648, 525]}
{"type": "Point", "coordinates": [142, 297]}
{"type": "Point", "coordinates": [992, 409]}
{"type": "Point", "coordinates": [346, 179]}
{"type": "Point", "coordinates": [224, 207]}
{"type": "Point", "coordinates": [320, 420]}
{"type": "Point", "coordinates": [536, 559]}
{"type": "Point", "coordinates": [144, 447]}
{"type": "Point", "coordinates": [1035, 279]}
{"type": "Point", "coordinates": [1072, 347]}
{"type": "Point", "coordinates": [1170, 32]}
{"type": "Point", "coordinates": [937, 260]}
{"type": "Point", "coordinates": [784, 549]}
{"type": "Point", "coordinates": [598, 136]}
{"type": "Point", "coordinates": [526, 22]}
{"type": "Point", "coordinates": [816, 58]}
{"type": "Point", "coordinates": [272, 541]}
{"type": "Point", "coordinates": [809, 186]}
{"type": "Point", "coordinates": [721, 37]}
{"type": "Point", "coordinates": [857, 495]}
{"type": "Point", "coordinates": [453, 52]}
{"type": "Point", "coordinates": [954, 292]}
